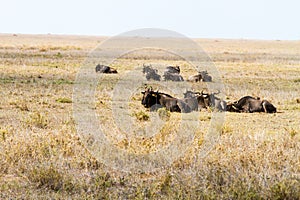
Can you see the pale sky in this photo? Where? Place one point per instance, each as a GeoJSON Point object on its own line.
{"type": "Point", "coordinates": [251, 19]}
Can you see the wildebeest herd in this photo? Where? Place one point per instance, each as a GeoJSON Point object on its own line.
{"type": "Point", "coordinates": [196, 101]}
{"type": "Point", "coordinates": [192, 101]}
{"type": "Point", "coordinates": [172, 73]}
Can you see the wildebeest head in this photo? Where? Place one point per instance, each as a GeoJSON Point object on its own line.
{"type": "Point", "coordinates": [205, 77]}
{"type": "Point", "coordinates": [148, 69]}
{"type": "Point", "coordinates": [230, 107]}
{"type": "Point", "coordinates": [105, 69]}
{"type": "Point", "coordinates": [148, 99]}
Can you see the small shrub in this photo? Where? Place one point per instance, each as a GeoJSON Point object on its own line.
{"type": "Point", "coordinates": [297, 80]}
{"type": "Point", "coordinates": [38, 120]}
{"type": "Point", "coordinates": [3, 134]}
{"type": "Point", "coordinates": [286, 189]}
{"type": "Point", "coordinates": [59, 55]}
{"type": "Point", "coordinates": [47, 177]}
{"type": "Point", "coordinates": [63, 100]}
{"type": "Point", "coordinates": [141, 116]}
{"type": "Point", "coordinates": [165, 186]}
{"type": "Point", "coordinates": [293, 132]}
{"type": "Point", "coordinates": [227, 129]}
{"type": "Point", "coordinates": [204, 118]}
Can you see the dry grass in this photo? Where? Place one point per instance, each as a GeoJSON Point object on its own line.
{"type": "Point", "coordinates": [257, 156]}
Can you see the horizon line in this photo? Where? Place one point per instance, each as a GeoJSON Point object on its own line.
{"type": "Point", "coordinates": [108, 36]}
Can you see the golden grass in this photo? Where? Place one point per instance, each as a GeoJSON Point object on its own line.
{"type": "Point", "coordinates": [42, 156]}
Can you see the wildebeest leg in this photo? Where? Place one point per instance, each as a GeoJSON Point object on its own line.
{"type": "Point", "coordinates": [155, 107]}
{"type": "Point", "coordinates": [184, 107]}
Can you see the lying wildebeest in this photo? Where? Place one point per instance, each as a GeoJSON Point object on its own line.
{"type": "Point", "coordinates": [206, 100]}
{"type": "Point", "coordinates": [205, 76]}
{"type": "Point", "coordinates": [230, 107]}
{"type": "Point", "coordinates": [151, 73]}
{"type": "Point", "coordinates": [173, 69]}
{"type": "Point", "coordinates": [251, 104]}
{"type": "Point", "coordinates": [202, 100]}
{"type": "Point", "coordinates": [154, 100]}
{"type": "Point", "coordinates": [172, 76]}
{"type": "Point", "coordinates": [201, 76]}
{"type": "Point", "coordinates": [195, 78]}
{"type": "Point", "coordinates": [105, 69]}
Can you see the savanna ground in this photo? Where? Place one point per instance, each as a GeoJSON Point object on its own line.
{"type": "Point", "coordinates": [256, 157]}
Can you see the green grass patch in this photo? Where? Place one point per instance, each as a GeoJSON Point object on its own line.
{"type": "Point", "coordinates": [62, 82]}
{"type": "Point", "coordinates": [63, 100]}
{"type": "Point", "coordinates": [141, 116]}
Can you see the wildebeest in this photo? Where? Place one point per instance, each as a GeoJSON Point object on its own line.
{"type": "Point", "coordinates": [151, 73]}
{"type": "Point", "coordinates": [206, 100]}
{"type": "Point", "coordinates": [154, 100]}
{"type": "Point", "coordinates": [105, 69]}
{"type": "Point", "coordinates": [195, 78]}
{"type": "Point", "coordinates": [230, 107]}
{"type": "Point", "coordinates": [202, 100]}
{"type": "Point", "coordinates": [171, 73]}
{"type": "Point", "coordinates": [173, 69]}
{"type": "Point", "coordinates": [251, 104]}
{"type": "Point", "coordinates": [201, 76]}
{"type": "Point", "coordinates": [205, 76]}
{"type": "Point", "coordinates": [172, 77]}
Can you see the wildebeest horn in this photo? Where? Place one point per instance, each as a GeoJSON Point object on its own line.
{"type": "Point", "coordinates": [202, 93]}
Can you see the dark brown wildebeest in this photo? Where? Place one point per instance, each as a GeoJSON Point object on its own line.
{"type": "Point", "coordinates": [173, 69]}
{"type": "Point", "coordinates": [251, 104]}
{"type": "Point", "coordinates": [172, 77]}
{"type": "Point", "coordinates": [202, 100]}
{"type": "Point", "coordinates": [105, 69]}
{"type": "Point", "coordinates": [231, 108]}
{"type": "Point", "coordinates": [205, 76]}
{"type": "Point", "coordinates": [172, 74]}
{"type": "Point", "coordinates": [195, 78]}
{"type": "Point", "coordinates": [155, 100]}
{"type": "Point", "coordinates": [151, 73]}
{"type": "Point", "coordinates": [200, 77]}
{"type": "Point", "coordinates": [206, 100]}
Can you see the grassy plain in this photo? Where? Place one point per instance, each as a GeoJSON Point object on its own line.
{"type": "Point", "coordinates": [256, 157]}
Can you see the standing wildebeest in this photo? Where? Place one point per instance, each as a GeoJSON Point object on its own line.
{"type": "Point", "coordinates": [201, 76]}
{"type": "Point", "coordinates": [151, 73]}
{"type": "Point", "coordinates": [105, 69]}
{"type": "Point", "coordinates": [154, 100]}
{"type": "Point", "coordinates": [172, 74]}
{"type": "Point", "coordinates": [251, 104]}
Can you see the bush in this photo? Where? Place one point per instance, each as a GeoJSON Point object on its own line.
{"type": "Point", "coordinates": [141, 116]}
